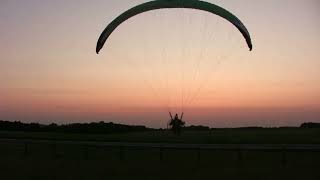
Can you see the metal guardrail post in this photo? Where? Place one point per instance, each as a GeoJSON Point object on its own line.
{"type": "Point", "coordinates": [121, 153]}
{"type": "Point", "coordinates": [86, 153]}
{"type": "Point", "coordinates": [54, 150]}
{"type": "Point", "coordinates": [199, 154]}
{"type": "Point", "coordinates": [26, 149]}
{"type": "Point", "coordinates": [161, 153]}
{"type": "Point", "coordinates": [240, 157]}
{"type": "Point", "coordinates": [284, 157]}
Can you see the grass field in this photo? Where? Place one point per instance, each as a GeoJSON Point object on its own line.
{"type": "Point", "coordinates": [78, 162]}
{"type": "Point", "coordinates": [216, 136]}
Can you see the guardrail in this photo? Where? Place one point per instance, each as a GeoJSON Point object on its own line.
{"type": "Point", "coordinates": [239, 148]}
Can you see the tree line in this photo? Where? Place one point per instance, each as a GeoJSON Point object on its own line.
{"type": "Point", "coordinates": [106, 127]}
{"type": "Point", "coordinates": [94, 127]}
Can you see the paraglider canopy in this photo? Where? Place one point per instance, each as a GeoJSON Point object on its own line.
{"type": "Point", "coordinates": [163, 4]}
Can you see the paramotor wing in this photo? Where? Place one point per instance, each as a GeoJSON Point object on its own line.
{"type": "Point", "coordinates": [165, 4]}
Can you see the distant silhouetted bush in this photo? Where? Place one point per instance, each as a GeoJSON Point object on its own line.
{"type": "Point", "coordinates": [310, 125]}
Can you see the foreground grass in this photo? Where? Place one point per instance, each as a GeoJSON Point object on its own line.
{"type": "Point", "coordinates": [44, 161]}
{"type": "Point", "coordinates": [217, 136]}
{"type": "Point", "coordinates": [71, 162]}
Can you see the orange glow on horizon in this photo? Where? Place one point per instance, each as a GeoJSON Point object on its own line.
{"type": "Point", "coordinates": [160, 60]}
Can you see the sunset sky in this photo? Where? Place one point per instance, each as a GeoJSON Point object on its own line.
{"type": "Point", "coordinates": [166, 59]}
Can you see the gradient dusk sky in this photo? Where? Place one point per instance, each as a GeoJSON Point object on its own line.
{"type": "Point", "coordinates": [49, 71]}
